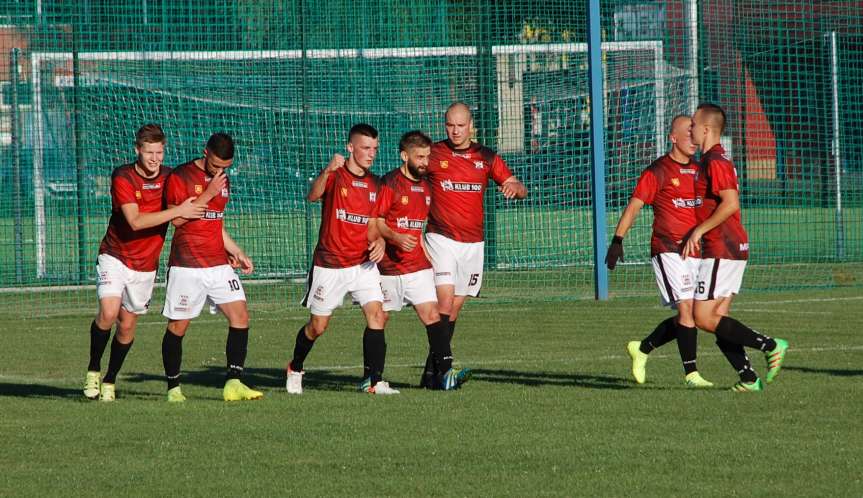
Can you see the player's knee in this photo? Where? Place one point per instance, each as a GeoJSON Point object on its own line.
{"type": "Point", "coordinates": [240, 319]}
{"type": "Point", "coordinates": [377, 319]}
{"type": "Point", "coordinates": [430, 316]}
{"type": "Point", "coordinates": [315, 329]}
{"type": "Point", "coordinates": [178, 327]}
{"type": "Point", "coordinates": [385, 317]}
{"type": "Point", "coordinates": [106, 318]}
{"type": "Point", "coordinates": [705, 321]}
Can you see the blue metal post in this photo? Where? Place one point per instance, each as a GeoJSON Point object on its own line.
{"type": "Point", "coordinates": [597, 142]}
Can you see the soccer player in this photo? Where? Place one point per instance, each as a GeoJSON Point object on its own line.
{"type": "Point", "coordinates": [406, 273]}
{"type": "Point", "coordinates": [668, 184]}
{"type": "Point", "coordinates": [201, 268]}
{"type": "Point", "coordinates": [129, 256]}
{"type": "Point", "coordinates": [344, 259]}
{"type": "Point", "coordinates": [724, 249]}
{"type": "Point", "coordinates": [459, 171]}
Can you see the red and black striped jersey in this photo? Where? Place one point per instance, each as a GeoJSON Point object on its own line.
{"type": "Point", "coordinates": [197, 243]}
{"type": "Point", "coordinates": [717, 173]}
{"type": "Point", "coordinates": [138, 250]}
{"type": "Point", "coordinates": [404, 205]}
{"type": "Point", "coordinates": [348, 203]}
{"type": "Point", "coordinates": [458, 181]}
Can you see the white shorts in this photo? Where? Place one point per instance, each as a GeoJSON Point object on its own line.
{"type": "Point", "coordinates": [327, 287]}
{"type": "Point", "coordinates": [719, 278]}
{"type": "Point", "coordinates": [675, 277]}
{"type": "Point", "coordinates": [117, 280]}
{"type": "Point", "coordinates": [190, 288]}
{"type": "Point", "coordinates": [456, 263]}
{"type": "Point", "coordinates": [410, 288]}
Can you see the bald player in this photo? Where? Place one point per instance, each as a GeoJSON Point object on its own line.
{"type": "Point", "coordinates": [668, 185]}
{"type": "Point", "coordinates": [459, 172]}
{"type": "Point", "coordinates": [724, 247]}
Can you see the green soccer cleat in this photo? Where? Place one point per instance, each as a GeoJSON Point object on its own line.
{"type": "Point", "coordinates": [454, 379]}
{"type": "Point", "coordinates": [639, 361]}
{"type": "Point", "coordinates": [775, 359]}
{"type": "Point", "coordinates": [91, 385]}
{"type": "Point", "coordinates": [175, 395]}
{"type": "Point", "coordinates": [237, 391]}
{"type": "Point", "coordinates": [107, 392]}
{"type": "Point", "coordinates": [695, 380]}
{"type": "Point", "coordinates": [748, 387]}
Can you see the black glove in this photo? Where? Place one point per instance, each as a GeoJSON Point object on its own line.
{"type": "Point", "coordinates": [615, 252]}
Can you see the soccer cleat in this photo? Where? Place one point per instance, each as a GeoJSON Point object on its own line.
{"type": "Point", "coordinates": [775, 359]}
{"type": "Point", "coordinates": [175, 395]}
{"type": "Point", "coordinates": [639, 361]}
{"type": "Point", "coordinates": [382, 387]}
{"type": "Point", "coordinates": [454, 379]}
{"type": "Point", "coordinates": [106, 392]}
{"type": "Point", "coordinates": [237, 391]}
{"type": "Point", "coordinates": [694, 379]}
{"type": "Point", "coordinates": [748, 387]}
{"type": "Point", "coordinates": [294, 382]}
{"type": "Point", "coordinates": [91, 385]}
{"type": "Point", "coordinates": [427, 381]}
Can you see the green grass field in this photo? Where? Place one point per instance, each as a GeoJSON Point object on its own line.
{"type": "Point", "coordinates": [551, 409]}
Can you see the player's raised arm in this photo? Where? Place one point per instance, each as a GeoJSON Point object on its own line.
{"type": "Point", "coordinates": [615, 249]}
{"type": "Point", "coordinates": [319, 185]}
{"type": "Point", "coordinates": [214, 188]}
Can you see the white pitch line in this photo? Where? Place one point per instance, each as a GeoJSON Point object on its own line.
{"type": "Point", "coordinates": [784, 312]}
{"type": "Point", "coordinates": [809, 300]}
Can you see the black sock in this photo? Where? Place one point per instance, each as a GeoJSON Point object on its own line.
{"type": "Point", "coordinates": [736, 356]}
{"type": "Point", "coordinates": [440, 346]}
{"type": "Point", "coordinates": [374, 354]}
{"type": "Point", "coordinates": [98, 341]}
{"type": "Point", "coordinates": [302, 347]}
{"type": "Point", "coordinates": [733, 331]}
{"type": "Point", "coordinates": [235, 350]}
{"type": "Point", "coordinates": [687, 345]}
{"type": "Point", "coordinates": [664, 333]}
{"type": "Point", "coordinates": [116, 359]}
{"type": "Point", "coordinates": [172, 356]}
{"type": "Point", "coordinates": [451, 327]}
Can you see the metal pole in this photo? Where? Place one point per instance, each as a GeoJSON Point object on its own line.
{"type": "Point", "coordinates": [834, 73]}
{"type": "Point", "coordinates": [16, 164]}
{"type": "Point", "coordinates": [486, 121]}
{"type": "Point", "coordinates": [692, 8]}
{"type": "Point", "coordinates": [306, 167]}
{"type": "Point", "coordinates": [597, 141]}
{"type": "Point", "coordinates": [79, 158]}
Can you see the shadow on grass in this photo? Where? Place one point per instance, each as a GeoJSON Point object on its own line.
{"type": "Point", "coordinates": [838, 372]}
{"type": "Point", "coordinates": [33, 390]}
{"type": "Point", "coordinates": [550, 379]}
{"type": "Point", "coordinates": [272, 378]}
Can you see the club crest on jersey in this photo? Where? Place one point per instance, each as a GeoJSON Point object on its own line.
{"type": "Point", "coordinates": [138, 195]}
{"type": "Point", "coordinates": [444, 164]}
{"type": "Point", "coordinates": [199, 189]}
{"type": "Point", "coordinates": [151, 186]}
{"type": "Point", "coordinates": [675, 182]}
{"type": "Point", "coordinates": [405, 200]}
{"type": "Point", "coordinates": [406, 223]}
{"type": "Point", "coordinates": [478, 164]}
{"type": "Point", "coordinates": [344, 191]}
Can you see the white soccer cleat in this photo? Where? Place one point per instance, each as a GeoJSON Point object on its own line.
{"type": "Point", "coordinates": [383, 388]}
{"type": "Point", "coordinates": [294, 384]}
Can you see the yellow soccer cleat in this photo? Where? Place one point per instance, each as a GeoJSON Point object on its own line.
{"type": "Point", "coordinates": [237, 391]}
{"type": "Point", "coordinates": [107, 392]}
{"type": "Point", "coordinates": [695, 379]}
{"type": "Point", "coordinates": [639, 361]}
{"type": "Point", "coordinates": [91, 385]}
{"type": "Point", "coordinates": [175, 395]}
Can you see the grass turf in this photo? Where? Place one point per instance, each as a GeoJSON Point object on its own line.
{"type": "Point", "coordinates": [551, 409]}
